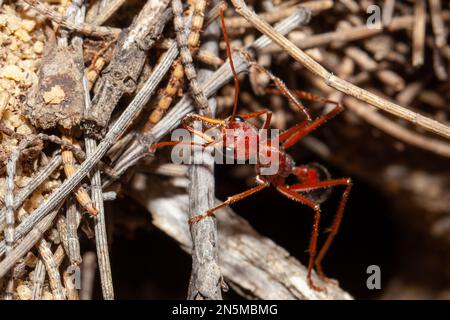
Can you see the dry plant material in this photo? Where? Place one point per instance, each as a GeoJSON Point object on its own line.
{"type": "Point", "coordinates": [197, 25]}
{"type": "Point", "coordinates": [57, 99]}
{"type": "Point", "coordinates": [84, 28]}
{"type": "Point", "coordinates": [168, 94]}
{"type": "Point", "coordinates": [337, 83]}
{"type": "Point", "coordinates": [437, 22]}
{"type": "Point", "coordinates": [102, 10]}
{"type": "Point", "coordinates": [122, 73]}
{"type": "Point", "coordinates": [404, 58]}
{"type": "Point", "coordinates": [418, 32]}
{"type": "Point", "coordinates": [179, 24]}
{"type": "Point", "coordinates": [80, 193]}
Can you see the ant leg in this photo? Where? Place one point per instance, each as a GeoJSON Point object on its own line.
{"type": "Point", "coordinates": [287, 192]}
{"type": "Point", "coordinates": [174, 143]}
{"type": "Point", "coordinates": [334, 228]}
{"type": "Point", "coordinates": [263, 184]}
{"type": "Point", "coordinates": [282, 88]}
{"type": "Point", "coordinates": [293, 135]}
{"type": "Point", "coordinates": [203, 119]}
{"type": "Point", "coordinates": [193, 116]}
{"type": "Point", "coordinates": [305, 96]}
{"type": "Point", "coordinates": [259, 113]}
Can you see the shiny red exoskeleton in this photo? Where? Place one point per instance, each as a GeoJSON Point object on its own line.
{"type": "Point", "coordinates": [236, 132]}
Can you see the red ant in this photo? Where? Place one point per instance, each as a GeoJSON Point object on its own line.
{"type": "Point", "coordinates": [309, 177]}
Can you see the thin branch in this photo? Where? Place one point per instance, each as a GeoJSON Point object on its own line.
{"type": "Point", "coordinates": [396, 130]}
{"type": "Point", "coordinates": [102, 10]}
{"type": "Point", "coordinates": [73, 217]}
{"type": "Point", "coordinates": [418, 33]}
{"type": "Point", "coordinates": [200, 99]}
{"type": "Point", "coordinates": [84, 28]}
{"type": "Point", "coordinates": [101, 239]}
{"type": "Point", "coordinates": [437, 22]}
{"type": "Point", "coordinates": [52, 270]}
{"type": "Point", "coordinates": [37, 180]}
{"type": "Point", "coordinates": [38, 280]}
{"type": "Point", "coordinates": [88, 268]}
{"type": "Point", "coordinates": [335, 82]}
{"type": "Point", "coordinates": [27, 243]}
{"type": "Point", "coordinates": [352, 34]}
{"type": "Point", "coordinates": [40, 273]}
{"type": "Point", "coordinates": [205, 282]}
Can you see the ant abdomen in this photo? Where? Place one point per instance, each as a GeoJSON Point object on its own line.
{"type": "Point", "coordinates": [310, 173]}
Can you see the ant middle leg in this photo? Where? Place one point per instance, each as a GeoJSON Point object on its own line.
{"type": "Point", "coordinates": [264, 183]}
{"type": "Point", "coordinates": [265, 112]}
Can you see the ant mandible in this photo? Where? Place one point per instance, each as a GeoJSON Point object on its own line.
{"type": "Point", "coordinates": [309, 177]}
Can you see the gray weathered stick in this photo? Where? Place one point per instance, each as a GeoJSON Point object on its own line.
{"type": "Point", "coordinates": [218, 79]}
{"type": "Point", "coordinates": [52, 270]}
{"type": "Point", "coordinates": [27, 243]}
{"type": "Point", "coordinates": [116, 131]}
{"type": "Point", "coordinates": [201, 102]}
{"type": "Point", "coordinates": [101, 239]}
{"type": "Point", "coordinates": [102, 10]}
{"type": "Point", "coordinates": [128, 58]}
{"type": "Point", "coordinates": [73, 217]}
{"type": "Point", "coordinates": [38, 281]}
{"type": "Point", "coordinates": [82, 28]}
{"type": "Point", "coordinates": [37, 180]}
{"type": "Point", "coordinates": [252, 264]}
{"type": "Point", "coordinates": [88, 274]}
{"type": "Point", "coordinates": [205, 282]}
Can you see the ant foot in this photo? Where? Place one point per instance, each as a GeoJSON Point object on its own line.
{"type": "Point", "coordinates": [324, 278]}
{"type": "Point", "coordinates": [199, 217]}
{"type": "Point", "coordinates": [314, 287]}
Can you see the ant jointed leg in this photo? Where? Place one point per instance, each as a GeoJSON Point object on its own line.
{"type": "Point", "coordinates": [308, 177]}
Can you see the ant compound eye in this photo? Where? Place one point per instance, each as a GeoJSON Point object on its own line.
{"type": "Point", "coordinates": [238, 119]}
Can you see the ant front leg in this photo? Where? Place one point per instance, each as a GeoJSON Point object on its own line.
{"type": "Point", "coordinates": [294, 134]}
{"type": "Point", "coordinates": [265, 112]}
{"type": "Point", "coordinates": [334, 228]}
{"type": "Point", "coordinates": [281, 87]}
{"type": "Point", "coordinates": [264, 183]}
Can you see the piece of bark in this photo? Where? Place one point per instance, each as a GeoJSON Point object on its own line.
{"type": "Point", "coordinates": [252, 264]}
{"type": "Point", "coordinates": [121, 75]}
{"type": "Point", "coordinates": [57, 99]}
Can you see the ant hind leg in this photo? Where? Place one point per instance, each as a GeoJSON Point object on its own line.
{"type": "Point", "coordinates": [292, 195]}
{"type": "Point", "coordinates": [334, 228]}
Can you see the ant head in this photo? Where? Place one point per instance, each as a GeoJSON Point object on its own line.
{"type": "Point", "coordinates": [240, 138]}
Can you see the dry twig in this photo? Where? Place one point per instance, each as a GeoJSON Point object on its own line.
{"type": "Point", "coordinates": [337, 83]}
{"type": "Point", "coordinates": [205, 282]}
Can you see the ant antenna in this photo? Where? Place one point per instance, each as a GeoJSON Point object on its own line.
{"type": "Point", "coordinates": [223, 7]}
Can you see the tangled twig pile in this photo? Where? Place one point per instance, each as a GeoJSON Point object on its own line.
{"type": "Point", "coordinates": [93, 100]}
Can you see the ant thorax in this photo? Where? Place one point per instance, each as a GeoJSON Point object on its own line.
{"type": "Point", "coordinates": [241, 139]}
